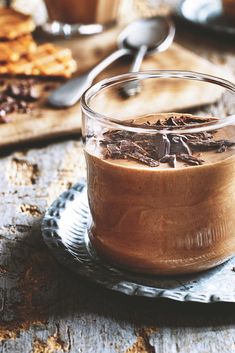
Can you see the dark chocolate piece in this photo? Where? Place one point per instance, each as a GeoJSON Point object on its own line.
{"type": "Point", "coordinates": [192, 160]}
{"type": "Point", "coordinates": [15, 98]}
{"type": "Point", "coordinates": [182, 121]}
{"type": "Point", "coordinates": [24, 90]}
{"type": "Point", "coordinates": [143, 159]}
{"type": "Point", "coordinates": [205, 145]}
{"type": "Point", "coordinates": [113, 151]}
{"type": "Point", "coordinates": [179, 145]}
{"type": "Point", "coordinates": [222, 149]}
{"type": "Point", "coordinates": [151, 149]}
{"type": "Point", "coordinates": [162, 146]}
{"type": "Point", "coordinates": [171, 159]}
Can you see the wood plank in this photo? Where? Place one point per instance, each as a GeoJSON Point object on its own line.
{"type": "Point", "coordinates": [45, 122]}
{"type": "Point", "coordinates": [44, 308]}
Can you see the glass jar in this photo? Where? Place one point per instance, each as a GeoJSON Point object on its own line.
{"type": "Point", "coordinates": [69, 17]}
{"type": "Point", "coordinates": [161, 171]}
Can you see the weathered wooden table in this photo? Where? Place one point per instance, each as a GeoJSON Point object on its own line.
{"type": "Point", "coordinates": [45, 308]}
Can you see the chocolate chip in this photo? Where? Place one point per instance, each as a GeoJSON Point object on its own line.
{"type": "Point", "coordinates": [16, 96]}
{"type": "Point", "coordinates": [22, 90]}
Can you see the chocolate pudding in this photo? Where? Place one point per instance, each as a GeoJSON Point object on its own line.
{"type": "Point", "coordinates": [82, 11]}
{"type": "Point", "coordinates": [163, 203]}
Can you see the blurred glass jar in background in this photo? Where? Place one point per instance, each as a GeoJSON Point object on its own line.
{"type": "Point", "coordinates": [229, 8]}
{"type": "Point", "coordinates": [68, 17]}
{"type": "Point", "coordinates": [80, 16]}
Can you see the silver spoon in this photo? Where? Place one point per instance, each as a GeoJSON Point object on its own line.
{"type": "Point", "coordinates": [155, 35]}
{"type": "Point", "coordinates": [131, 39]}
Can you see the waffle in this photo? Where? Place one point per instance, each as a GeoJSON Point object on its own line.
{"type": "Point", "coordinates": [14, 24]}
{"type": "Point", "coordinates": [47, 61]}
{"type": "Point", "coordinates": [12, 50]}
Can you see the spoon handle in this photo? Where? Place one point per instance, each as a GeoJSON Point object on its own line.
{"type": "Point", "coordinates": [136, 64]}
{"type": "Point", "coordinates": [133, 87]}
{"type": "Point", "coordinates": [69, 93]}
{"type": "Point", "coordinates": [108, 60]}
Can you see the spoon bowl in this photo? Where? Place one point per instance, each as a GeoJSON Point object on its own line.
{"type": "Point", "coordinates": [138, 38]}
{"type": "Point", "coordinates": [154, 36]}
{"type": "Point", "coordinates": [156, 33]}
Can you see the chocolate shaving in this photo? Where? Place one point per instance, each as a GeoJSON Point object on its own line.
{"type": "Point", "coordinates": [24, 90]}
{"type": "Point", "coordinates": [182, 121]}
{"type": "Point", "coordinates": [174, 120]}
{"type": "Point", "coordinates": [15, 98]}
{"type": "Point", "coordinates": [113, 151]}
{"type": "Point", "coordinates": [192, 160]}
{"type": "Point", "coordinates": [143, 159]}
{"type": "Point", "coordinates": [171, 159]}
{"type": "Point", "coordinates": [128, 149]}
{"type": "Point", "coordinates": [155, 148]}
{"type": "Point", "coordinates": [222, 149]}
{"type": "Point", "coordinates": [179, 146]}
{"type": "Point", "coordinates": [205, 145]}
{"type": "Point", "coordinates": [9, 105]}
{"type": "Point", "coordinates": [162, 146]}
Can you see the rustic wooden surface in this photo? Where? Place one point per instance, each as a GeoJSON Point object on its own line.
{"type": "Point", "coordinates": [45, 122]}
{"type": "Point", "coordinates": [45, 308]}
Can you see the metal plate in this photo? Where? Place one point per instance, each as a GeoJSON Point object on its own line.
{"type": "Point", "coordinates": [207, 14]}
{"type": "Point", "coordinates": [64, 230]}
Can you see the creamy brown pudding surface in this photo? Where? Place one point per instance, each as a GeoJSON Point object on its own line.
{"type": "Point", "coordinates": [163, 203]}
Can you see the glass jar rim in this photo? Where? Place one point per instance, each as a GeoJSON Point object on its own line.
{"type": "Point", "coordinates": [142, 75]}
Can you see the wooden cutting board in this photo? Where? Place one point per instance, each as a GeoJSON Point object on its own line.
{"type": "Point", "coordinates": [44, 122]}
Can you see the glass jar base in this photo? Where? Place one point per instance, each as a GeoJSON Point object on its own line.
{"type": "Point", "coordinates": [155, 265]}
{"type": "Point", "coordinates": [70, 30]}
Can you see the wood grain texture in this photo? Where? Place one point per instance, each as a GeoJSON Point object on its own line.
{"type": "Point", "coordinates": [44, 308]}
{"type": "Point", "coordinates": [43, 122]}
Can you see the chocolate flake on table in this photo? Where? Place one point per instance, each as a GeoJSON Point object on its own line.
{"type": "Point", "coordinates": [155, 148]}
{"type": "Point", "coordinates": [16, 98]}
{"type": "Point", "coordinates": [24, 90]}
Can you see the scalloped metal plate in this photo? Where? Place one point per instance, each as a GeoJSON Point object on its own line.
{"type": "Point", "coordinates": [64, 230]}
